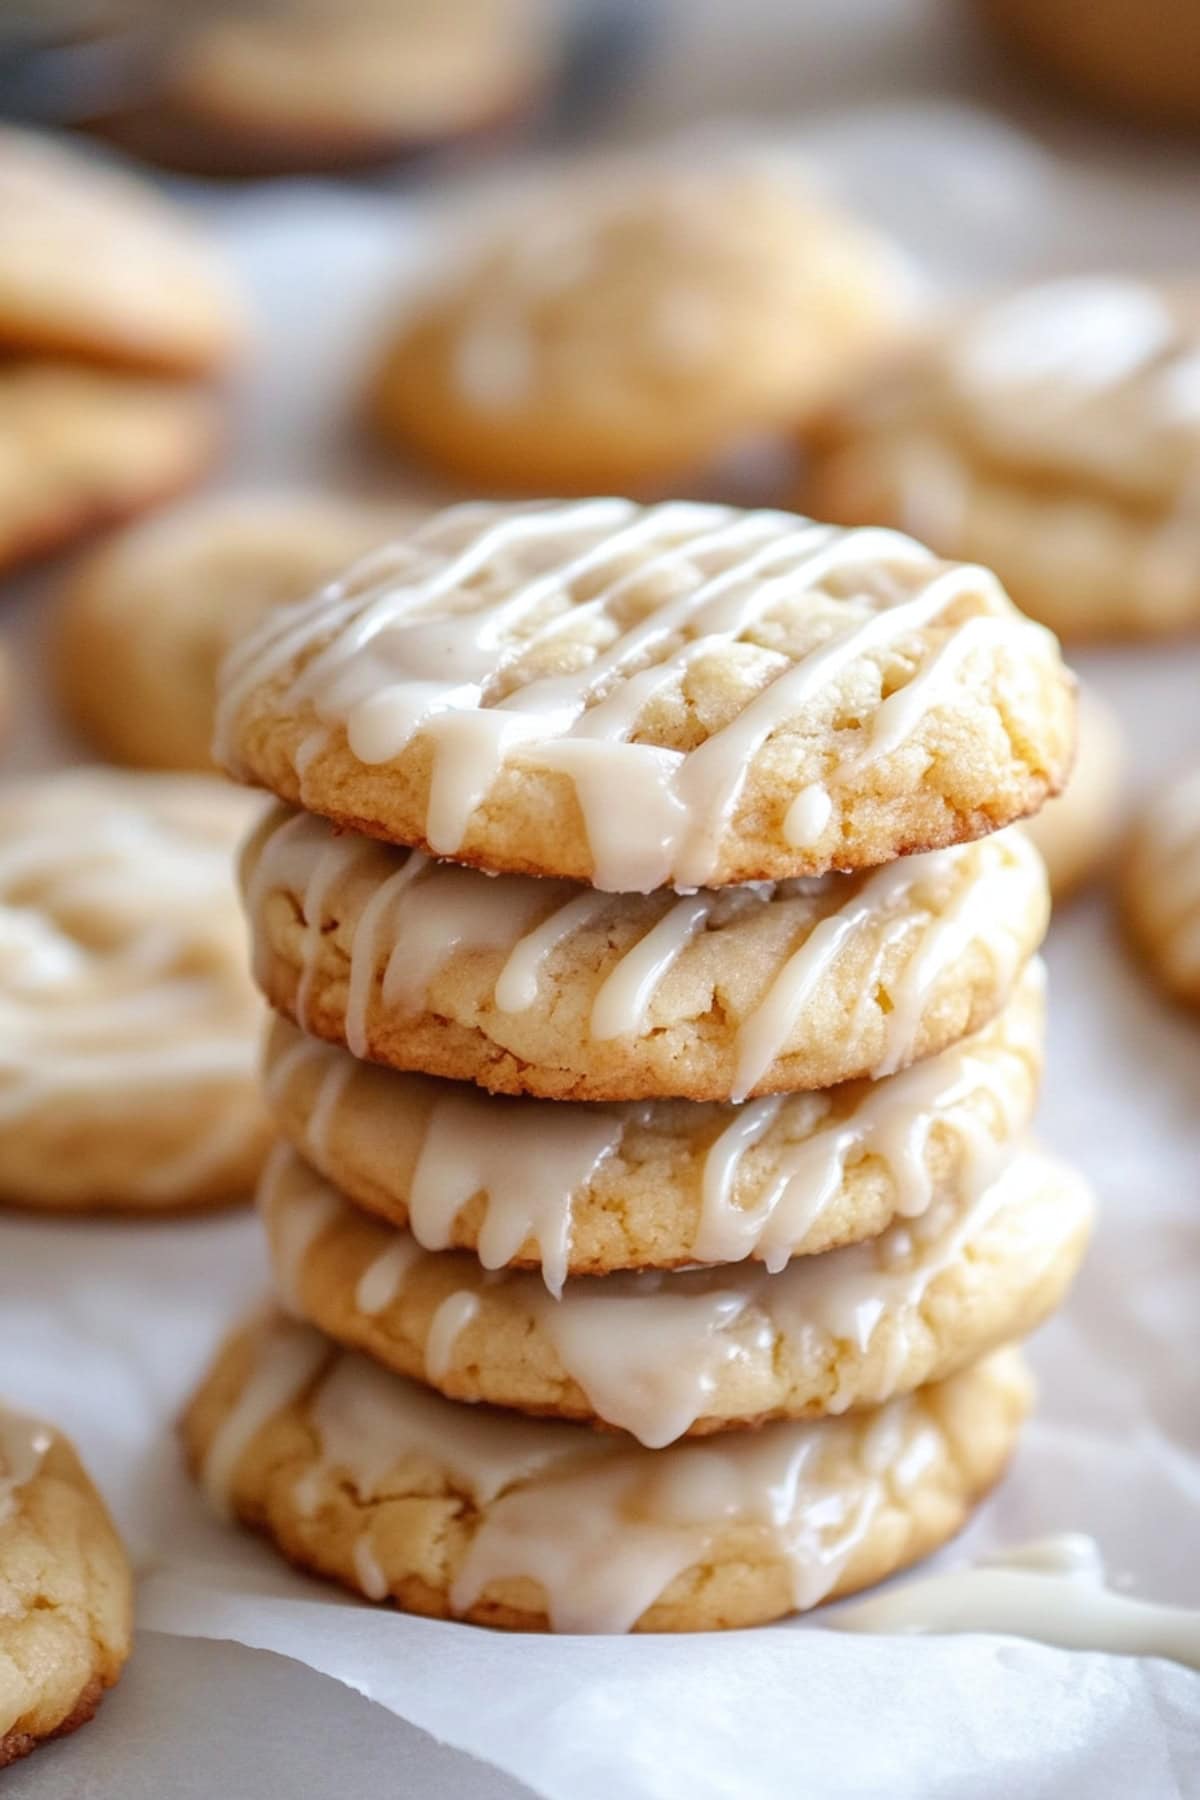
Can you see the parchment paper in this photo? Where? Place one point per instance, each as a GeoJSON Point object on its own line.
{"type": "Point", "coordinates": [105, 1327]}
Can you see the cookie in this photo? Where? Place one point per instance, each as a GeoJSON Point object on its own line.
{"type": "Point", "coordinates": [588, 1190]}
{"type": "Point", "coordinates": [545, 988]}
{"type": "Point", "coordinates": [1077, 831]}
{"type": "Point", "coordinates": [664, 1355]}
{"type": "Point", "coordinates": [782, 698]}
{"type": "Point", "coordinates": [81, 448]}
{"type": "Point", "coordinates": [630, 322]}
{"type": "Point", "coordinates": [66, 1593]}
{"type": "Point", "coordinates": [95, 263]}
{"type": "Point", "coordinates": [127, 1065]}
{"type": "Point", "coordinates": [146, 619]}
{"type": "Point", "coordinates": [1140, 62]}
{"type": "Point", "coordinates": [1161, 888]}
{"type": "Point", "coordinates": [328, 86]}
{"type": "Point", "coordinates": [1053, 435]}
{"type": "Point", "coordinates": [463, 1512]}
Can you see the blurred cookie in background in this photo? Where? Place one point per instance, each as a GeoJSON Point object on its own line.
{"type": "Point", "coordinates": [327, 84]}
{"type": "Point", "coordinates": [1054, 435]}
{"type": "Point", "coordinates": [1161, 888]}
{"type": "Point", "coordinates": [66, 1618]}
{"type": "Point", "coordinates": [1137, 59]}
{"type": "Point", "coordinates": [130, 1026]}
{"type": "Point", "coordinates": [95, 264]}
{"type": "Point", "coordinates": [146, 619]}
{"type": "Point", "coordinates": [82, 447]}
{"type": "Point", "coordinates": [630, 322]}
{"type": "Point", "coordinates": [1077, 830]}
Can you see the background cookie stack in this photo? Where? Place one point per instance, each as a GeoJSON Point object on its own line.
{"type": "Point", "coordinates": [702, 1045]}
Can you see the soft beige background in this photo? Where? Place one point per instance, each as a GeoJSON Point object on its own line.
{"type": "Point", "coordinates": [104, 1327]}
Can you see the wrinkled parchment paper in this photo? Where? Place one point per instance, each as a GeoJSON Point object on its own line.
{"type": "Point", "coordinates": [104, 1327]}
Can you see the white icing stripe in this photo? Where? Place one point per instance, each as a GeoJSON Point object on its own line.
{"type": "Point", "coordinates": [621, 1006]}
{"type": "Point", "coordinates": [275, 1381]}
{"type": "Point", "coordinates": [479, 590]}
{"type": "Point", "coordinates": [649, 1351]}
{"type": "Point", "coordinates": [1053, 1592]}
{"type": "Point", "coordinates": [424, 914]}
{"type": "Point", "coordinates": [517, 987]}
{"type": "Point", "coordinates": [121, 957]}
{"type": "Point", "coordinates": [451, 1319]}
{"type": "Point", "coordinates": [600, 1527]}
{"type": "Point", "coordinates": [24, 1443]}
{"type": "Point", "coordinates": [894, 1122]}
{"type": "Point", "coordinates": [295, 1219]}
{"type": "Point", "coordinates": [529, 1161]}
{"type": "Point", "coordinates": [382, 1280]}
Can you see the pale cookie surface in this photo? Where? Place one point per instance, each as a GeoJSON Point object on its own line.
{"type": "Point", "coordinates": [94, 263]}
{"type": "Point", "coordinates": [66, 1593]}
{"type": "Point", "coordinates": [341, 81]}
{"type": "Point", "coordinates": [1162, 888]}
{"type": "Point", "coordinates": [147, 618]}
{"type": "Point", "coordinates": [464, 1512]}
{"type": "Point", "coordinates": [130, 1026]}
{"type": "Point", "coordinates": [545, 988]}
{"type": "Point", "coordinates": [630, 322]}
{"type": "Point", "coordinates": [782, 698]}
{"type": "Point", "coordinates": [1077, 830]}
{"type": "Point", "coordinates": [1053, 435]}
{"type": "Point", "coordinates": [590, 1189]}
{"type": "Point", "coordinates": [664, 1355]}
{"type": "Point", "coordinates": [81, 448]}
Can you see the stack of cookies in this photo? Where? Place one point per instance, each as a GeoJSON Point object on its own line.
{"type": "Point", "coordinates": [659, 1027]}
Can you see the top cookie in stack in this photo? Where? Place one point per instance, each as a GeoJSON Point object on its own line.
{"type": "Point", "coordinates": [639, 697]}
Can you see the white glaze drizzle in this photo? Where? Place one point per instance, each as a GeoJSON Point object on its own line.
{"type": "Point", "coordinates": [601, 1527]}
{"type": "Point", "coordinates": [1088, 333]}
{"type": "Point", "coordinates": [529, 1165]}
{"type": "Point", "coordinates": [382, 1279]}
{"type": "Point", "coordinates": [894, 1121]}
{"type": "Point", "coordinates": [296, 1219]}
{"type": "Point", "coordinates": [24, 1443]}
{"type": "Point", "coordinates": [650, 1350]}
{"type": "Point", "coordinates": [420, 645]}
{"type": "Point", "coordinates": [424, 914]}
{"type": "Point", "coordinates": [530, 1160]}
{"type": "Point", "coordinates": [120, 956]}
{"type": "Point", "coordinates": [276, 1379]}
{"type": "Point", "coordinates": [451, 1319]}
{"type": "Point", "coordinates": [1053, 1591]}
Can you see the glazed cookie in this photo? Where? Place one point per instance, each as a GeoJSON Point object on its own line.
{"type": "Point", "coordinates": [146, 619]}
{"type": "Point", "coordinates": [1076, 832]}
{"type": "Point", "coordinates": [130, 1034]}
{"type": "Point", "coordinates": [587, 1190]}
{"type": "Point", "coordinates": [1162, 888]}
{"type": "Point", "coordinates": [632, 322]}
{"type": "Point", "coordinates": [66, 1593]}
{"type": "Point", "coordinates": [782, 698]}
{"type": "Point", "coordinates": [661, 1356]}
{"type": "Point", "coordinates": [94, 263]}
{"type": "Point", "coordinates": [1053, 435]}
{"type": "Point", "coordinates": [81, 448]}
{"type": "Point", "coordinates": [462, 1512]}
{"type": "Point", "coordinates": [545, 988]}
{"type": "Point", "coordinates": [330, 84]}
